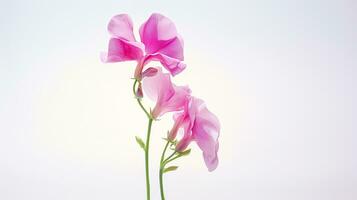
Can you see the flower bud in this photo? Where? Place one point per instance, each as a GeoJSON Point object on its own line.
{"type": "Point", "coordinates": [149, 72]}
{"type": "Point", "coordinates": [139, 92]}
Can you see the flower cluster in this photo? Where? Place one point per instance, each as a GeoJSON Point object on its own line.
{"type": "Point", "coordinates": [159, 41]}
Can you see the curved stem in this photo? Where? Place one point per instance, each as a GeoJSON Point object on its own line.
{"type": "Point", "coordinates": [164, 151]}
{"type": "Point", "coordinates": [139, 100]}
{"type": "Point", "coordinates": [147, 144]}
{"type": "Point", "coordinates": [165, 161]}
{"type": "Point", "coordinates": [172, 159]}
{"type": "Point", "coordinates": [161, 172]}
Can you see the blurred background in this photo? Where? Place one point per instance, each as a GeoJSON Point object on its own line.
{"type": "Point", "coordinates": [280, 75]}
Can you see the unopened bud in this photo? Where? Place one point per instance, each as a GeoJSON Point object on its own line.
{"type": "Point", "coordinates": [139, 92]}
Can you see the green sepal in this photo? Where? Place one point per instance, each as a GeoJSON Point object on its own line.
{"type": "Point", "coordinates": [170, 169]}
{"type": "Point", "coordinates": [140, 142]}
{"type": "Point", "coordinates": [185, 153]}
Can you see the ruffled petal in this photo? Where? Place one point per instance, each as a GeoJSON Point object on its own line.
{"type": "Point", "coordinates": [178, 120]}
{"type": "Point", "coordinates": [167, 96]}
{"type": "Point", "coordinates": [211, 160]}
{"type": "Point", "coordinates": [174, 66]}
{"type": "Point", "coordinates": [201, 126]}
{"type": "Point", "coordinates": [122, 45]}
{"type": "Point", "coordinates": [121, 26]}
{"type": "Point", "coordinates": [122, 50]}
{"type": "Point", "coordinates": [157, 32]}
{"type": "Point", "coordinates": [175, 102]}
{"type": "Point", "coordinates": [205, 132]}
{"type": "Point", "coordinates": [159, 87]}
{"type": "Point", "coordinates": [163, 43]}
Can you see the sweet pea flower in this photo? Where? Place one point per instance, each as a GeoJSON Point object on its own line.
{"type": "Point", "coordinates": [159, 42]}
{"type": "Point", "coordinates": [168, 97]}
{"type": "Point", "coordinates": [201, 126]}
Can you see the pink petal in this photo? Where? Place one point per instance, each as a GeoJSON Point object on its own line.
{"type": "Point", "coordinates": [174, 66]}
{"type": "Point", "coordinates": [173, 48]}
{"type": "Point", "coordinates": [183, 143]}
{"type": "Point", "coordinates": [122, 45]}
{"type": "Point", "coordinates": [151, 71]}
{"type": "Point", "coordinates": [175, 102]}
{"type": "Point", "coordinates": [158, 87]}
{"type": "Point", "coordinates": [183, 120]}
{"type": "Point", "coordinates": [187, 136]}
{"type": "Point", "coordinates": [179, 119]}
{"type": "Point", "coordinates": [168, 97]}
{"type": "Point", "coordinates": [122, 50]}
{"type": "Point", "coordinates": [199, 125]}
{"type": "Point", "coordinates": [205, 132]}
{"type": "Point", "coordinates": [163, 43]}
{"type": "Point", "coordinates": [121, 26]}
{"type": "Point", "coordinates": [157, 32]}
{"type": "Point", "coordinates": [211, 160]}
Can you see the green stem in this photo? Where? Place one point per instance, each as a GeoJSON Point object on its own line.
{"type": "Point", "coordinates": [147, 144]}
{"type": "Point", "coordinates": [162, 183]}
{"type": "Point", "coordinates": [172, 159]}
{"type": "Point", "coordinates": [162, 166]}
{"type": "Point", "coordinates": [165, 161]}
{"type": "Point", "coordinates": [164, 151]}
{"type": "Point", "coordinates": [147, 159]}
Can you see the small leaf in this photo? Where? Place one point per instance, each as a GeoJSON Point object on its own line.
{"type": "Point", "coordinates": [171, 168]}
{"type": "Point", "coordinates": [185, 153]}
{"type": "Point", "coordinates": [140, 142]}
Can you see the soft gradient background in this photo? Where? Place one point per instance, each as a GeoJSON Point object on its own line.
{"type": "Point", "coordinates": [280, 75]}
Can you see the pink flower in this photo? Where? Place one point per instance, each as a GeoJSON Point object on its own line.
{"type": "Point", "coordinates": [168, 97]}
{"type": "Point", "coordinates": [159, 42]}
{"type": "Point", "coordinates": [201, 126]}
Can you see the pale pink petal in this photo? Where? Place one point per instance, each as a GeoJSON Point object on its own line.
{"type": "Point", "coordinates": [209, 148]}
{"type": "Point", "coordinates": [122, 45]}
{"type": "Point", "coordinates": [201, 126]}
{"type": "Point", "coordinates": [174, 103]}
{"type": "Point", "coordinates": [122, 50]}
{"type": "Point", "coordinates": [205, 132]}
{"type": "Point", "coordinates": [178, 119]}
{"type": "Point", "coordinates": [187, 136]}
{"type": "Point", "coordinates": [183, 143]}
{"type": "Point", "coordinates": [167, 96]}
{"type": "Point", "coordinates": [158, 87]}
{"type": "Point", "coordinates": [211, 160]}
{"type": "Point", "coordinates": [121, 26]}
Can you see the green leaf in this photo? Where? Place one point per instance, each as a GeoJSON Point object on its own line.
{"type": "Point", "coordinates": [171, 168]}
{"type": "Point", "coordinates": [140, 142]}
{"type": "Point", "coordinates": [185, 153]}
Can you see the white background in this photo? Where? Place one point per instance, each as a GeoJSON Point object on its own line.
{"type": "Point", "coordinates": [280, 75]}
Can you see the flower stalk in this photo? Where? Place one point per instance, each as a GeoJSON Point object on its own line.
{"type": "Point", "coordinates": [146, 146]}
{"type": "Point", "coordinates": [161, 171]}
